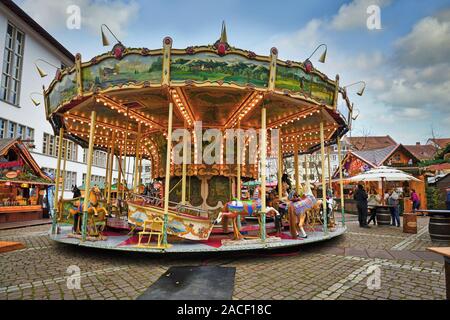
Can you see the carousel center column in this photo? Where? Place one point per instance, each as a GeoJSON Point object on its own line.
{"type": "Point", "coordinates": [87, 183]}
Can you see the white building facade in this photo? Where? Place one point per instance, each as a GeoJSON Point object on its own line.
{"type": "Point", "coordinates": [22, 43]}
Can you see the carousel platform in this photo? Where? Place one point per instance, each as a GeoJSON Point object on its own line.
{"type": "Point", "coordinates": [119, 240]}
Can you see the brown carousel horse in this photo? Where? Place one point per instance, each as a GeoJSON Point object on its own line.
{"type": "Point", "coordinates": [96, 213]}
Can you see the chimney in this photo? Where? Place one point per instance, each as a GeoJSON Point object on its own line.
{"type": "Point", "coordinates": [417, 143]}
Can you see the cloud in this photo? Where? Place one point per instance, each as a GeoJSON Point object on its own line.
{"type": "Point", "coordinates": [419, 75]}
{"type": "Point", "coordinates": [52, 15]}
{"type": "Point", "coordinates": [428, 43]}
{"type": "Point", "coordinates": [354, 14]}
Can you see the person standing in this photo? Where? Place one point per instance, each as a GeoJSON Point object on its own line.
{"type": "Point", "coordinates": [361, 203]}
{"type": "Point", "coordinates": [415, 200]}
{"type": "Point", "coordinates": [374, 201]}
{"type": "Point", "coordinates": [393, 201]}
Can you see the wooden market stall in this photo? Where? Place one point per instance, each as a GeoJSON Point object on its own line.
{"type": "Point", "coordinates": [395, 156]}
{"type": "Point", "coordinates": [22, 183]}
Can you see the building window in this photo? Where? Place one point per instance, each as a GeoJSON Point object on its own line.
{"type": "Point", "coordinates": [2, 128]}
{"type": "Point", "coordinates": [12, 65]}
{"type": "Point", "coordinates": [95, 180]}
{"type": "Point", "coordinates": [99, 159]}
{"type": "Point", "coordinates": [70, 180]}
{"type": "Point", "coordinates": [50, 146]}
{"type": "Point", "coordinates": [12, 130]}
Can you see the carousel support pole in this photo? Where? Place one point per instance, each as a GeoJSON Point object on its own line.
{"type": "Point", "coordinates": [140, 169]}
{"type": "Point", "coordinates": [263, 153]}
{"type": "Point", "coordinates": [307, 161]}
{"type": "Point", "coordinates": [167, 178]}
{"type": "Point", "coordinates": [136, 161]}
{"type": "Point", "coordinates": [184, 167]}
{"type": "Point", "coordinates": [119, 176]}
{"type": "Point", "coordinates": [58, 166]}
{"type": "Point", "coordinates": [324, 185]}
{"type": "Point", "coordinates": [87, 183]}
{"type": "Point", "coordinates": [341, 182]}
{"type": "Point", "coordinates": [105, 191]}
{"type": "Point", "coordinates": [238, 173]}
{"type": "Point", "coordinates": [329, 168]}
{"type": "Point", "coordinates": [111, 161]}
{"type": "Point", "coordinates": [296, 171]}
{"type": "Point", "coordinates": [125, 153]}
{"type": "Point", "coordinates": [63, 173]}
{"type": "Point", "coordinates": [280, 167]}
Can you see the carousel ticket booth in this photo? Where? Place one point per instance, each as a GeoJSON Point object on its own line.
{"type": "Point", "coordinates": [22, 183]}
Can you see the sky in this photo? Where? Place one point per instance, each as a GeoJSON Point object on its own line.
{"type": "Point", "coordinates": [406, 63]}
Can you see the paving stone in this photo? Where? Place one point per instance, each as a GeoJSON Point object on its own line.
{"type": "Point", "coordinates": [428, 255]}
{"type": "Point", "coordinates": [378, 253]}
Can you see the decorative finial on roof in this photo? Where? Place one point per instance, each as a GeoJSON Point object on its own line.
{"type": "Point", "coordinates": [223, 35]}
{"type": "Point", "coordinates": [222, 45]}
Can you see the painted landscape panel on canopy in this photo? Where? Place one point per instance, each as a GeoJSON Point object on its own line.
{"type": "Point", "coordinates": [63, 91]}
{"type": "Point", "coordinates": [232, 68]}
{"type": "Point", "coordinates": [295, 79]}
{"type": "Point", "coordinates": [131, 69]}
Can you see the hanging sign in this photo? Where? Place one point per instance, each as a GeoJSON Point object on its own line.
{"type": "Point", "coordinates": [11, 164]}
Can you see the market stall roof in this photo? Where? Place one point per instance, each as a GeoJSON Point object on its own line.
{"type": "Point", "coordinates": [17, 164]}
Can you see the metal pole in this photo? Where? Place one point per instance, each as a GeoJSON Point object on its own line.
{"type": "Point", "coordinates": [280, 167]}
{"type": "Point", "coordinates": [297, 175]}
{"type": "Point", "coordinates": [329, 167]}
{"type": "Point", "coordinates": [119, 176]}
{"type": "Point", "coordinates": [58, 166]}
{"type": "Point", "coordinates": [341, 182]}
{"type": "Point", "coordinates": [238, 173]}
{"type": "Point", "coordinates": [324, 185]}
{"type": "Point", "coordinates": [239, 162]}
{"type": "Point", "coordinates": [125, 153]}
{"type": "Point", "coordinates": [63, 174]}
{"type": "Point", "coordinates": [136, 160]}
{"type": "Point", "coordinates": [111, 162]}
{"type": "Point", "coordinates": [87, 183]}
{"type": "Point", "coordinates": [307, 161]}
{"type": "Point", "coordinates": [184, 168]}
{"type": "Point", "coordinates": [263, 153]}
{"type": "Point", "coordinates": [105, 191]}
{"type": "Point", "coordinates": [167, 180]}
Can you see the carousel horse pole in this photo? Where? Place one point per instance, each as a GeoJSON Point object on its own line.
{"type": "Point", "coordinates": [93, 209]}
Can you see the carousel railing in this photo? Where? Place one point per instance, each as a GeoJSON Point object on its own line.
{"type": "Point", "coordinates": [175, 206]}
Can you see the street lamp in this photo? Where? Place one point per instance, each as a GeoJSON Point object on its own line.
{"type": "Point", "coordinates": [35, 102]}
{"type": "Point", "coordinates": [41, 72]}
{"type": "Point", "coordinates": [308, 64]}
{"type": "Point", "coordinates": [361, 91]}
{"type": "Point", "coordinates": [104, 38]}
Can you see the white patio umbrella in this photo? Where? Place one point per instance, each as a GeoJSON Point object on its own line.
{"type": "Point", "coordinates": [383, 174]}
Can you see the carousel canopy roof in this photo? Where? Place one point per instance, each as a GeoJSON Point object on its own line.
{"type": "Point", "coordinates": [219, 85]}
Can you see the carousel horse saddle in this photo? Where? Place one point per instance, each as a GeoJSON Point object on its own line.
{"type": "Point", "coordinates": [246, 207]}
{"type": "Point", "coordinates": [300, 207]}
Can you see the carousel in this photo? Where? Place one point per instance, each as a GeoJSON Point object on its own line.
{"type": "Point", "coordinates": [224, 112]}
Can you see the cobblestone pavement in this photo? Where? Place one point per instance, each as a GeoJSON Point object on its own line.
{"type": "Point", "coordinates": [337, 269]}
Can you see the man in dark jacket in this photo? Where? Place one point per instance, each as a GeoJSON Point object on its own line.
{"type": "Point", "coordinates": [361, 203]}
